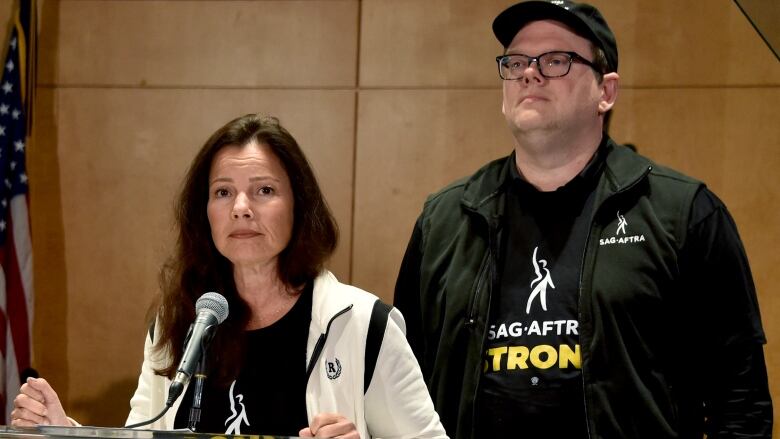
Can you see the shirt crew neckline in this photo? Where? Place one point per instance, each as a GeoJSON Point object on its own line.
{"type": "Point", "coordinates": [582, 181]}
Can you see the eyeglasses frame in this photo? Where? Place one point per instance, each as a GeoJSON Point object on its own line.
{"type": "Point", "coordinates": [573, 57]}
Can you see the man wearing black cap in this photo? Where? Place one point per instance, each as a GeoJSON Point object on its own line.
{"type": "Point", "coordinates": [576, 289]}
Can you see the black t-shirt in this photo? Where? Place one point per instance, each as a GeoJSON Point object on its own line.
{"type": "Point", "coordinates": [269, 395]}
{"type": "Point", "coordinates": [531, 384]}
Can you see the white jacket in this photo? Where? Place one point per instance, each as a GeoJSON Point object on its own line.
{"type": "Point", "coordinates": [396, 404]}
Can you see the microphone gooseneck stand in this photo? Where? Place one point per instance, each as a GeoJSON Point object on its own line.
{"type": "Point", "coordinates": [197, 396]}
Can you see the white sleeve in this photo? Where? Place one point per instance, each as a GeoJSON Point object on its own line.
{"type": "Point", "coordinates": [397, 403]}
{"type": "Point", "coordinates": [145, 400]}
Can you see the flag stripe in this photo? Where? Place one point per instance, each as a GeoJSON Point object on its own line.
{"type": "Point", "coordinates": [17, 302]}
{"type": "Point", "coordinates": [20, 219]}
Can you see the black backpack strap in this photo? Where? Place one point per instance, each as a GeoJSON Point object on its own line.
{"type": "Point", "coordinates": [376, 332]}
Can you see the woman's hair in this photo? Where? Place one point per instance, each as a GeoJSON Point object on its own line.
{"type": "Point", "coordinates": [196, 265]}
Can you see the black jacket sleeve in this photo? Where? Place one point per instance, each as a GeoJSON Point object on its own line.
{"type": "Point", "coordinates": [407, 293]}
{"type": "Point", "coordinates": [735, 392]}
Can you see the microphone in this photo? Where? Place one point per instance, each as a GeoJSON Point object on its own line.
{"type": "Point", "coordinates": [211, 309]}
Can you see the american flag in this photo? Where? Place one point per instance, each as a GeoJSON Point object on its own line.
{"type": "Point", "coordinates": [16, 288]}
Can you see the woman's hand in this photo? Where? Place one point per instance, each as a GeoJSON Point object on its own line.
{"type": "Point", "coordinates": [330, 425]}
{"type": "Point", "coordinates": [37, 404]}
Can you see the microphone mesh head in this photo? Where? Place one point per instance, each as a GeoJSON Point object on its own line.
{"type": "Point", "coordinates": [214, 302]}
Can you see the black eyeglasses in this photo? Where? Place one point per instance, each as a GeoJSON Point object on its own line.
{"type": "Point", "coordinates": [550, 64]}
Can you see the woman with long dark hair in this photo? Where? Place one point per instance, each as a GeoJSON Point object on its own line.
{"type": "Point", "coordinates": [290, 359]}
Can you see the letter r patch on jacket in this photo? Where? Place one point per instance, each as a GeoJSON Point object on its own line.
{"type": "Point", "coordinates": [333, 368]}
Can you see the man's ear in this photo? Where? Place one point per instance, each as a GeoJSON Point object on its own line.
{"type": "Point", "coordinates": [609, 91]}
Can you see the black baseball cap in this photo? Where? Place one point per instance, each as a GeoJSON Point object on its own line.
{"type": "Point", "coordinates": [583, 18]}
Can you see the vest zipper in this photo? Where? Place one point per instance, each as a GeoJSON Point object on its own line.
{"type": "Point", "coordinates": [489, 262]}
{"type": "Point", "coordinates": [471, 316]}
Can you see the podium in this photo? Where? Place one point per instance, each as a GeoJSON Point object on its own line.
{"type": "Point", "coordinates": [51, 432]}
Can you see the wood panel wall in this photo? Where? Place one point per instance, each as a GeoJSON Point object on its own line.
{"type": "Point", "coordinates": [391, 99]}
